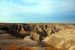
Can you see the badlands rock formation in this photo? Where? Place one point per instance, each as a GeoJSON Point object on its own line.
{"type": "Point", "coordinates": [64, 39]}
{"type": "Point", "coordinates": [36, 31]}
{"type": "Point", "coordinates": [60, 36]}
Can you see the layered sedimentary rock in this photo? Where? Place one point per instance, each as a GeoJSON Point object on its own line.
{"type": "Point", "coordinates": [63, 39]}
{"type": "Point", "coordinates": [36, 31]}
{"type": "Point", "coordinates": [59, 36]}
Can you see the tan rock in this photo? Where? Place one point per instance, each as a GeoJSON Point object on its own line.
{"type": "Point", "coordinates": [35, 36]}
{"type": "Point", "coordinates": [62, 39]}
{"type": "Point", "coordinates": [72, 47]}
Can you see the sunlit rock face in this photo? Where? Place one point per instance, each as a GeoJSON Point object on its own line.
{"type": "Point", "coordinates": [72, 47]}
{"type": "Point", "coordinates": [63, 39]}
{"type": "Point", "coordinates": [41, 31]}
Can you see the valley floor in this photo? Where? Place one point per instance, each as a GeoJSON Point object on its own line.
{"type": "Point", "coordinates": [21, 44]}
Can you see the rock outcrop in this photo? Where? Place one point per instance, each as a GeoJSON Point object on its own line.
{"type": "Point", "coordinates": [37, 31]}
{"type": "Point", "coordinates": [63, 39]}
{"type": "Point", "coordinates": [59, 36]}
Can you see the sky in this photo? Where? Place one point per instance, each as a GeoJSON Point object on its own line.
{"type": "Point", "coordinates": [37, 11]}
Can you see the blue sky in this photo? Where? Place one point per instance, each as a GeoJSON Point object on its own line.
{"type": "Point", "coordinates": [35, 11]}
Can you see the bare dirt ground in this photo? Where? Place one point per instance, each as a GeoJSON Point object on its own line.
{"type": "Point", "coordinates": [21, 44]}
